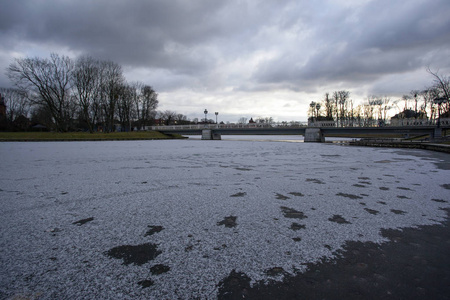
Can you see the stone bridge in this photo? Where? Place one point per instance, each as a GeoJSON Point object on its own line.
{"type": "Point", "coordinates": [311, 134]}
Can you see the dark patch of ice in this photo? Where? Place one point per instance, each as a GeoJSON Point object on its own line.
{"type": "Point", "coordinates": [338, 219]}
{"type": "Point", "coordinates": [297, 194]}
{"type": "Point", "coordinates": [296, 226]}
{"type": "Point", "coordinates": [146, 283]}
{"type": "Point", "coordinates": [282, 197]}
{"type": "Point", "coordinates": [292, 213]}
{"type": "Point", "coordinates": [159, 269]}
{"type": "Point", "coordinates": [240, 194]}
{"type": "Point", "coordinates": [153, 230]}
{"type": "Point", "coordinates": [83, 221]}
{"type": "Point", "coordinates": [351, 196]}
{"type": "Point", "coordinates": [228, 222]}
{"type": "Point", "coordinates": [372, 211]}
{"type": "Point", "coordinates": [398, 212]}
{"type": "Point", "coordinates": [138, 255]}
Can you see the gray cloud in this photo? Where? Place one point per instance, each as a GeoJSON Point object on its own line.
{"type": "Point", "coordinates": [217, 47]}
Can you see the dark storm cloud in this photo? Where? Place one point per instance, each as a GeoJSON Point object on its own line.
{"type": "Point", "coordinates": [363, 43]}
{"type": "Point", "coordinates": [240, 46]}
{"type": "Point", "coordinates": [131, 32]}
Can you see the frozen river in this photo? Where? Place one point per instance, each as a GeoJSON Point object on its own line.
{"type": "Point", "coordinates": [171, 219]}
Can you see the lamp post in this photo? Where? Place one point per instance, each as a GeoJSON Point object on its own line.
{"type": "Point", "coordinates": [216, 113]}
{"type": "Point", "coordinates": [206, 113]}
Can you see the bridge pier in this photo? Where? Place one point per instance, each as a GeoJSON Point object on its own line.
{"type": "Point", "coordinates": [314, 135]}
{"type": "Point", "coordinates": [437, 134]}
{"type": "Point", "coordinates": [208, 134]}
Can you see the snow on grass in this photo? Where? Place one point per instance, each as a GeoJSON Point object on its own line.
{"type": "Point", "coordinates": [170, 219]}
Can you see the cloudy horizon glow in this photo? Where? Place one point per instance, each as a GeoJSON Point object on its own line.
{"type": "Point", "coordinates": [242, 58]}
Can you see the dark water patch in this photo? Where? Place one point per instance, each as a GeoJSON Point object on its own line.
{"type": "Point", "coordinates": [439, 200]}
{"type": "Point", "coordinates": [296, 194]}
{"type": "Point", "coordinates": [365, 195]}
{"type": "Point", "coordinates": [414, 265]}
{"type": "Point", "coordinates": [446, 186]}
{"type": "Point", "coordinates": [365, 182]}
{"type": "Point", "coordinates": [383, 188]}
{"type": "Point", "coordinates": [386, 161]}
{"type": "Point", "coordinates": [282, 197]}
{"type": "Point", "coordinates": [153, 230]}
{"type": "Point", "coordinates": [402, 197]}
{"type": "Point", "coordinates": [351, 196]}
{"type": "Point", "coordinates": [372, 211]}
{"type": "Point", "coordinates": [275, 271]}
{"type": "Point", "coordinates": [146, 283]}
{"type": "Point", "coordinates": [338, 219]}
{"type": "Point", "coordinates": [159, 269]}
{"type": "Point", "coordinates": [328, 247]}
{"type": "Point", "coordinates": [403, 188]}
{"type": "Point", "coordinates": [292, 213]}
{"type": "Point", "coordinates": [388, 175]}
{"type": "Point", "coordinates": [359, 185]}
{"type": "Point", "coordinates": [314, 180]}
{"type": "Point", "coordinates": [382, 202]}
{"type": "Point", "coordinates": [228, 222]}
{"type": "Point", "coordinates": [243, 169]}
{"type": "Point", "coordinates": [398, 211]}
{"type": "Point", "coordinates": [296, 226]}
{"type": "Point", "coordinates": [234, 286]}
{"type": "Point", "coordinates": [221, 247]}
{"type": "Point", "coordinates": [240, 194]}
{"type": "Point", "coordinates": [362, 203]}
{"type": "Point", "coordinates": [296, 239]}
{"type": "Point", "coordinates": [138, 255]}
{"type": "Point", "coordinates": [83, 221]}
{"type": "Point", "coordinates": [330, 155]}
{"type": "Point", "coordinates": [364, 178]}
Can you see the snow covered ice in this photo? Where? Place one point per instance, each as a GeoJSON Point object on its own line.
{"type": "Point", "coordinates": [171, 219]}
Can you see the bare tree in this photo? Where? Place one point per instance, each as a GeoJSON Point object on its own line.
{"type": "Point", "coordinates": [16, 102]}
{"type": "Point", "coordinates": [242, 120]}
{"type": "Point", "coordinates": [328, 104]}
{"type": "Point", "coordinates": [149, 104]}
{"type": "Point", "coordinates": [86, 84]}
{"type": "Point", "coordinates": [167, 116]}
{"type": "Point", "coordinates": [50, 82]}
{"type": "Point", "coordinates": [111, 81]}
{"type": "Point", "coordinates": [125, 106]}
{"type": "Point", "coordinates": [428, 95]}
{"type": "Point", "coordinates": [442, 85]}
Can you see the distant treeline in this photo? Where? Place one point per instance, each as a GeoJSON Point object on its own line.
{"type": "Point", "coordinates": [423, 104]}
{"type": "Point", "coordinates": [63, 94]}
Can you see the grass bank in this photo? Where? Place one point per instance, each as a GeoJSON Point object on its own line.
{"type": "Point", "coordinates": [84, 136]}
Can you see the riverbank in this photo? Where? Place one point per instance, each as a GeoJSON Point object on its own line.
{"type": "Point", "coordinates": [443, 146]}
{"type": "Point", "coordinates": [84, 136]}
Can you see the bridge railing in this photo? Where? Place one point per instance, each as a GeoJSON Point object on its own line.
{"type": "Point", "coordinates": [320, 124]}
{"type": "Point", "coordinates": [215, 126]}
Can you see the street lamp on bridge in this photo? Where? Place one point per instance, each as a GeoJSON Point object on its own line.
{"type": "Point", "coordinates": [206, 113]}
{"type": "Point", "coordinates": [216, 113]}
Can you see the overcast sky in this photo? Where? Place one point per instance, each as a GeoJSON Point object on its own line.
{"type": "Point", "coordinates": [241, 58]}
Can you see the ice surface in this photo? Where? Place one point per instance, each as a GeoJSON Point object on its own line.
{"type": "Point", "coordinates": [65, 205]}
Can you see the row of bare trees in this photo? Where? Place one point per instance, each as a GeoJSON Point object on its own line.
{"type": "Point", "coordinates": [86, 89]}
{"type": "Point", "coordinates": [340, 108]}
